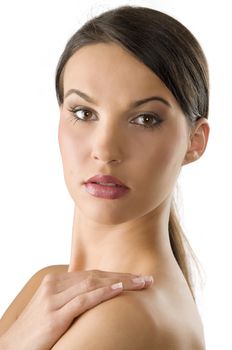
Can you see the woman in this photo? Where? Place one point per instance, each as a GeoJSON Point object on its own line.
{"type": "Point", "coordinates": [132, 86]}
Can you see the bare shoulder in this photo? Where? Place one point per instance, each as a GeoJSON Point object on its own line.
{"type": "Point", "coordinates": [25, 295]}
{"type": "Point", "coordinates": [132, 320]}
{"type": "Point", "coordinates": [120, 322]}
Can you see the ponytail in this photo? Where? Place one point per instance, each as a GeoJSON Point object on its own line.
{"type": "Point", "coordinates": [181, 247]}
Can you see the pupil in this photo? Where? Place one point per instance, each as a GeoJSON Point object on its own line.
{"type": "Point", "coordinates": [147, 119]}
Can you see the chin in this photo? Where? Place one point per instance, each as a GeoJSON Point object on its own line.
{"type": "Point", "coordinates": [105, 212]}
{"type": "Point", "coordinates": [111, 212]}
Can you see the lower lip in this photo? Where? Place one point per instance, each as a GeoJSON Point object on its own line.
{"type": "Point", "coordinates": [108, 192]}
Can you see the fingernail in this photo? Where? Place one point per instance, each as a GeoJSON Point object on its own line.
{"type": "Point", "coordinates": [148, 278]}
{"type": "Point", "coordinates": [142, 279]}
{"type": "Point", "coordinates": [138, 280]}
{"type": "Point", "coordinates": [117, 286]}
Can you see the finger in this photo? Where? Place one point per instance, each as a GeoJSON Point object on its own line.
{"type": "Point", "coordinates": [88, 285]}
{"type": "Point", "coordinates": [95, 273]}
{"type": "Point", "coordinates": [64, 281]}
{"type": "Point", "coordinates": [138, 282]}
{"type": "Point", "coordinates": [86, 301]}
{"type": "Point", "coordinates": [113, 274]}
{"type": "Point", "coordinates": [129, 283]}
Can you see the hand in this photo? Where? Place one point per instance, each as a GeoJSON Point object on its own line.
{"type": "Point", "coordinates": [58, 301]}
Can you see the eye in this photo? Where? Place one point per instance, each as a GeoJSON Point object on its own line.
{"type": "Point", "coordinates": [81, 114]}
{"type": "Point", "coordinates": [148, 120]}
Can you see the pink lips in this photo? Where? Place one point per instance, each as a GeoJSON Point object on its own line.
{"type": "Point", "coordinates": [106, 191]}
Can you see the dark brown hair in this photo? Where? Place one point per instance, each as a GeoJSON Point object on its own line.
{"type": "Point", "coordinates": [172, 52]}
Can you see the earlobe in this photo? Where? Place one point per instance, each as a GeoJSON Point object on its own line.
{"type": "Point", "coordinates": [198, 141]}
{"type": "Point", "coordinates": [191, 156]}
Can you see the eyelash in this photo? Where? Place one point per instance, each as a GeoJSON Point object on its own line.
{"type": "Point", "coordinates": [155, 117]}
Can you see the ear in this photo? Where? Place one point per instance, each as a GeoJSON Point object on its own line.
{"type": "Point", "coordinates": [198, 140]}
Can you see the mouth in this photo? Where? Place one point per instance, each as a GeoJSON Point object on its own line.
{"type": "Point", "coordinates": [106, 186]}
{"type": "Point", "coordinates": [106, 180]}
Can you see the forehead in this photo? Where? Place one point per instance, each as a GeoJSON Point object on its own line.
{"type": "Point", "coordinates": [108, 65]}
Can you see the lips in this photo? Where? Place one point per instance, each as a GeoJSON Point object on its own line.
{"type": "Point", "coordinates": [106, 179]}
{"type": "Point", "coordinates": [106, 186]}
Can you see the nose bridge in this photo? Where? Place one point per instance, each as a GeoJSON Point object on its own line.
{"type": "Point", "coordinates": [108, 139]}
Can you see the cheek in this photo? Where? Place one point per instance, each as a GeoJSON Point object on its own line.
{"type": "Point", "coordinates": [168, 156]}
{"type": "Point", "coordinates": [161, 167]}
{"type": "Point", "coordinates": [175, 143]}
{"type": "Point", "coordinates": [164, 154]}
{"type": "Point", "coordinates": [162, 164]}
{"type": "Point", "coordinates": [72, 148]}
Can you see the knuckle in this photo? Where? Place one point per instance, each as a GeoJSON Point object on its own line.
{"type": "Point", "coordinates": [91, 273]}
{"type": "Point", "coordinates": [50, 277]}
{"type": "Point", "coordinates": [89, 282]}
{"type": "Point", "coordinates": [94, 273]}
{"type": "Point", "coordinates": [81, 302]}
{"type": "Point", "coordinates": [48, 285]}
{"type": "Point", "coordinates": [45, 289]}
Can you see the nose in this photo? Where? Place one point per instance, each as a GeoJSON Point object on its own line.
{"type": "Point", "coordinates": [107, 145]}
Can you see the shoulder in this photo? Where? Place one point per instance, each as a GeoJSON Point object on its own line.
{"type": "Point", "coordinates": [124, 322]}
{"type": "Point", "coordinates": [24, 296]}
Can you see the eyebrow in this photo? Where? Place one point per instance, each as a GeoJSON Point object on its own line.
{"type": "Point", "coordinates": [133, 104]}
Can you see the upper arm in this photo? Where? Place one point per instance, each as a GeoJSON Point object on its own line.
{"type": "Point", "coordinates": [25, 295]}
{"type": "Point", "coordinates": [119, 323]}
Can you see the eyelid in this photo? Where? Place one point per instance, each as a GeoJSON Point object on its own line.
{"type": "Point", "coordinates": [76, 108]}
{"type": "Point", "coordinates": [80, 107]}
{"type": "Point", "coordinates": [150, 113]}
{"type": "Point", "coordinates": [156, 118]}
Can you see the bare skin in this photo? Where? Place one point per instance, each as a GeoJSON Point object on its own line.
{"type": "Point", "coordinates": [128, 234]}
{"type": "Point", "coordinates": [53, 299]}
{"type": "Point", "coordinates": [109, 143]}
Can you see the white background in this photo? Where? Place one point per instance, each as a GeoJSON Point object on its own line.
{"type": "Point", "coordinates": [35, 208]}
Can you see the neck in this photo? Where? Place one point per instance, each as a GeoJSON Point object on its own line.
{"type": "Point", "coordinates": [139, 246]}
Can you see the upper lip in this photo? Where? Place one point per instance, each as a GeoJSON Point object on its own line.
{"type": "Point", "coordinates": [106, 179]}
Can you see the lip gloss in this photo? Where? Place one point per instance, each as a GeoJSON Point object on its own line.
{"type": "Point", "coordinates": [104, 191]}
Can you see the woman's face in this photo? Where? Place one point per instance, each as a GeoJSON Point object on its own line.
{"type": "Point", "coordinates": [143, 144]}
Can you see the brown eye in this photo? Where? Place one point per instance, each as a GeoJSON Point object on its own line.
{"type": "Point", "coordinates": [148, 120]}
{"type": "Point", "coordinates": [82, 114]}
